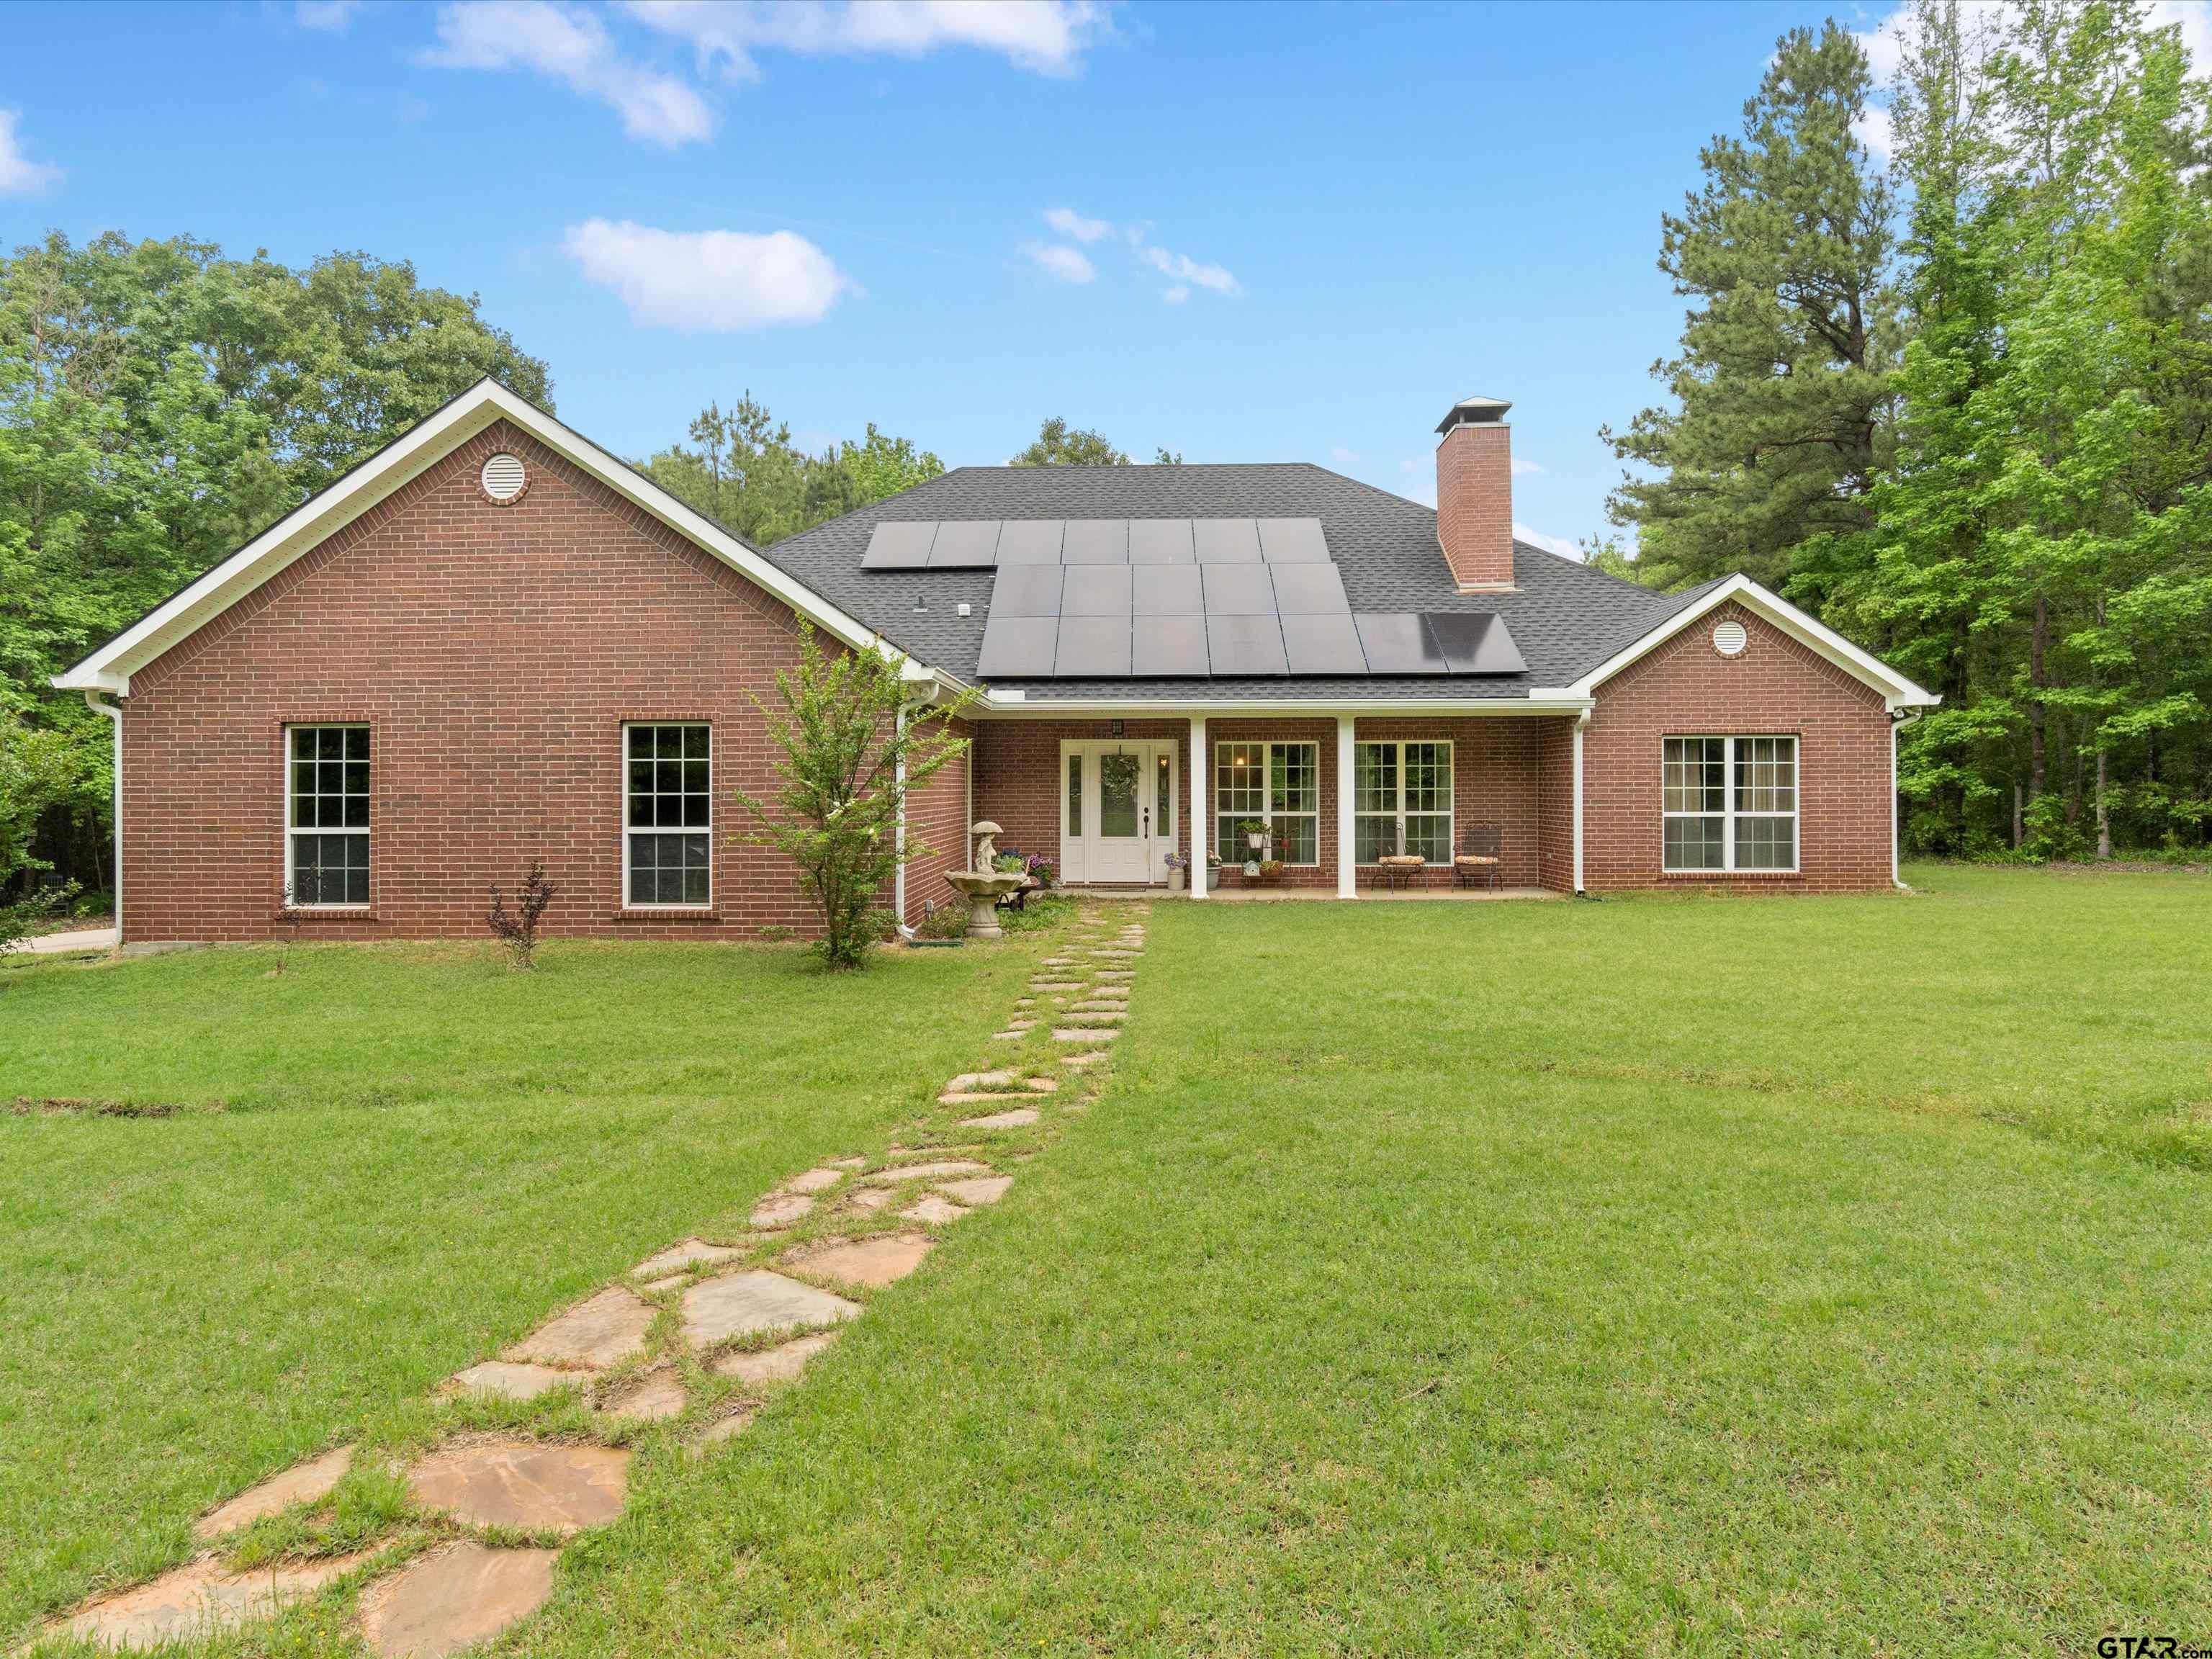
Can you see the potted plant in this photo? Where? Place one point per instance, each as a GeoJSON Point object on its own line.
{"type": "Point", "coordinates": [1255, 840]}
{"type": "Point", "coordinates": [1043, 870]}
{"type": "Point", "coordinates": [1271, 869]}
{"type": "Point", "coordinates": [1176, 864]}
{"type": "Point", "coordinates": [1212, 870]}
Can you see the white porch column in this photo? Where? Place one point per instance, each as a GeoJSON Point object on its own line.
{"type": "Point", "coordinates": [1347, 869]}
{"type": "Point", "coordinates": [1581, 720]}
{"type": "Point", "coordinates": [1199, 844]}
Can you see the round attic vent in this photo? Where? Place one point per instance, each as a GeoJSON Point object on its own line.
{"type": "Point", "coordinates": [1730, 639]}
{"type": "Point", "coordinates": [503, 478]}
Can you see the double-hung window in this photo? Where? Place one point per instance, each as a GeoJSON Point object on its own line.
{"type": "Point", "coordinates": [1728, 804]}
{"type": "Point", "coordinates": [1276, 784]}
{"type": "Point", "coordinates": [668, 816]}
{"type": "Point", "coordinates": [326, 830]}
{"type": "Point", "coordinates": [1402, 800]}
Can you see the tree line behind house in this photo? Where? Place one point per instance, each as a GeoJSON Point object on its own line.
{"type": "Point", "coordinates": [1959, 404]}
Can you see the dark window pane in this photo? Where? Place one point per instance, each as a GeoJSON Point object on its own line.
{"type": "Point", "coordinates": [694, 776]}
{"type": "Point", "coordinates": [357, 744]}
{"type": "Point", "coordinates": [695, 810]}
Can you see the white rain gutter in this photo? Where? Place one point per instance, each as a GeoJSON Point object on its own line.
{"type": "Point", "coordinates": [94, 701]}
{"type": "Point", "coordinates": [1581, 720]}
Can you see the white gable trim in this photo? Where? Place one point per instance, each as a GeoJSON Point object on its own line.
{"type": "Point", "coordinates": [1897, 692]}
{"type": "Point", "coordinates": [398, 464]}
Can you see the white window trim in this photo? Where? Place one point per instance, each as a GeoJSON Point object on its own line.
{"type": "Point", "coordinates": [1451, 814]}
{"type": "Point", "coordinates": [1728, 813]}
{"type": "Point", "coordinates": [628, 832]}
{"type": "Point", "coordinates": [1267, 814]}
{"type": "Point", "coordinates": [293, 832]}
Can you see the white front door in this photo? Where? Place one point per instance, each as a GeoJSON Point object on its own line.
{"type": "Point", "coordinates": [1118, 803]}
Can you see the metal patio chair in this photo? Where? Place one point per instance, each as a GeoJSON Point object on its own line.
{"type": "Point", "coordinates": [1480, 856]}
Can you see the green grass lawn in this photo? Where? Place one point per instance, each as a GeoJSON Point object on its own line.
{"type": "Point", "coordinates": [1663, 1275]}
{"type": "Point", "coordinates": [386, 1162]}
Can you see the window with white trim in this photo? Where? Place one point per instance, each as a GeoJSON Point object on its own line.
{"type": "Point", "coordinates": [1276, 784]}
{"type": "Point", "coordinates": [1728, 804]}
{"type": "Point", "coordinates": [668, 818]}
{"type": "Point", "coordinates": [326, 821]}
{"type": "Point", "coordinates": [1402, 800]}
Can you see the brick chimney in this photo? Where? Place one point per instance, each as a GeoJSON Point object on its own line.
{"type": "Point", "coordinates": [1474, 493]}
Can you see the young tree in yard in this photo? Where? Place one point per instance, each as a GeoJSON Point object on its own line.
{"type": "Point", "coordinates": [37, 768]}
{"type": "Point", "coordinates": [852, 746]}
{"type": "Point", "coordinates": [1782, 382]}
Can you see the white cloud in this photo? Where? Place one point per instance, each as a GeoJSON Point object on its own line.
{"type": "Point", "coordinates": [1186, 271]}
{"type": "Point", "coordinates": [1523, 467]}
{"type": "Point", "coordinates": [1047, 37]}
{"type": "Point", "coordinates": [1175, 295]}
{"type": "Point", "coordinates": [2195, 17]}
{"type": "Point", "coordinates": [573, 47]}
{"type": "Point", "coordinates": [1875, 129]}
{"type": "Point", "coordinates": [1069, 264]}
{"type": "Point", "coordinates": [19, 174]}
{"type": "Point", "coordinates": [1341, 456]}
{"type": "Point", "coordinates": [712, 280]}
{"type": "Point", "coordinates": [1559, 545]}
{"type": "Point", "coordinates": [1073, 226]}
{"type": "Point", "coordinates": [332, 16]}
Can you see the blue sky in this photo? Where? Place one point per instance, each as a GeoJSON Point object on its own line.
{"type": "Point", "coordinates": [1295, 232]}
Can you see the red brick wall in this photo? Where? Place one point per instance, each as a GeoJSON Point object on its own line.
{"type": "Point", "coordinates": [1475, 503]}
{"type": "Point", "coordinates": [495, 652]}
{"type": "Point", "coordinates": [937, 815]}
{"type": "Point", "coordinates": [1555, 805]}
{"type": "Point", "coordinates": [1777, 687]}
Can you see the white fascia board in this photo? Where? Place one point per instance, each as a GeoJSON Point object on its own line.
{"type": "Point", "coordinates": [1897, 692]}
{"type": "Point", "coordinates": [399, 462]}
{"type": "Point", "coordinates": [1015, 704]}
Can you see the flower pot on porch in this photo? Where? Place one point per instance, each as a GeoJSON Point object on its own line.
{"type": "Point", "coordinates": [1175, 880]}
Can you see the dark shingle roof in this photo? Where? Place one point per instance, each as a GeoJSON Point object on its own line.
{"type": "Point", "coordinates": [1566, 617]}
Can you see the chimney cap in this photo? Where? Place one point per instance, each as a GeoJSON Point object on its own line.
{"type": "Point", "coordinates": [1473, 411]}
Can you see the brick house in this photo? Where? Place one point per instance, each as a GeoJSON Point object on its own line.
{"type": "Point", "coordinates": [493, 642]}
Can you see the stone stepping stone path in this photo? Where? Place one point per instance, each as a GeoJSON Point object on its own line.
{"type": "Point", "coordinates": [306, 1483]}
{"type": "Point", "coordinates": [606, 1330]}
{"type": "Point", "coordinates": [523, 1485]}
{"type": "Point", "coordinates": [757, 1326]}
{"type": "Point", "coordinates": [452, 1597]}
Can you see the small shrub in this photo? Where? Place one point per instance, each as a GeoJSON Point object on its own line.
{"type": "Point", "coordinates": [1011, 864]}
{"type": "Point", "coordinates": [944, 922]}
{"type": "Point", "coordinates": [519, 930]}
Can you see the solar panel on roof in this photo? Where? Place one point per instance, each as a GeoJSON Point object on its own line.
{"type": "Point", "coordinates": [1026, 590]}
{"type": "Point", "coordinates": [1323, 645]}
{"type": "Point", "coordinates": [1160, 541]}
{"type": "Point", "coordinates": [1292, 541]}
{"type": "Point", "coordinates": [1396, 642]}
{"type": "Point", "coordinates": [1169, 645]}
{"type": "Point", "coordinates": [1237, 590]}
{"type": "Point", "coordinates": [1096, 541]}
{"type": "Point", "coordinates": [1030, 541]}
{"type": "Point", "coordinates": [1226, 541]}
{"type": "Point", "coordinates": [1245, 644]}
{"type": "Point", "coordinates": [1310, 590]}
{"type": "Point", "coordinates": [1096, 590]}
{"type": "Point", "coordinates": [1015, 647]}
{"type": "Point", "coordinates": [1168, 590]}
{"type": "Point", "coordinates": [1092, 647]}
{"type": "Point", "coordinates": [1476, 643]}
{"type": "Point", "coordinates": [965, 544]}
{"type": "Point", "coordinates": [900, 545]}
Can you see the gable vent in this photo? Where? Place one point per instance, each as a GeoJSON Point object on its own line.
{"type": "Point", "coordinates": [503, 478]}
{"type": "Point", "coordinates": [1730, 639]}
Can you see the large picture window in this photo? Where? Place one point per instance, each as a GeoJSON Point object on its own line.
{"type": "Point", "coordinates": [326, 832]}
{"type": "Point", "coordinates": [1728, 804]}
{"type": "Point", "coordinates": [1278, 784]}
{"type": "Point", "coordinates": [668, 816]}
{"type": "Point", "coordinates": [1402, 800]}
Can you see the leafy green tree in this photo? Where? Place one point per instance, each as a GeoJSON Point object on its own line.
{"type": "Point", "coordinates": [1057, 444]}
{"type": "Point", "coordinates": [39, 770]}
{"type": "Point", "coordinates": [852, 745]}
{"type": "Point", "coordinates": [1781, 384]}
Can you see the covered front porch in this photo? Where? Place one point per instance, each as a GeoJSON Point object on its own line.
{"type": "Point", "coordinates": [1340, 802]}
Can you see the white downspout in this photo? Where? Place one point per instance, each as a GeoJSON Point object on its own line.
{"type": "Point", "coordinates": [1897, 724]}
{"type": "Point", "coordinates": [898, 841]}
{"type": "Point", "coordinates": [1581, 720]}
{"type": "Point", "coordinates": [94, 701]}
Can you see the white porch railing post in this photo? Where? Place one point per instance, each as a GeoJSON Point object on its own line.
{"type": "Point", "coordinates": [1198, 841]}
{"type": "Point", "coordinates": [1347, 870]}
